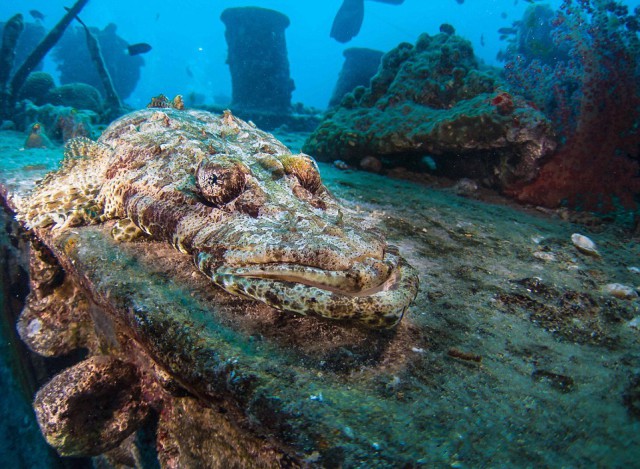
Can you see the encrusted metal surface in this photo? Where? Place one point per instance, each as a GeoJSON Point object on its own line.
{"type": "Point", "coordinates": [511, 343]}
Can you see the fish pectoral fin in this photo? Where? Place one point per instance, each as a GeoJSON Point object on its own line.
{"type": "Point", "coordinates": [126, 231]}
{"type": "Point", "coordinates": [61, 207]}
{"type": "Point", "coordinates": [82, 147]}
{"type": "Point", "coordinates": [69, 196]}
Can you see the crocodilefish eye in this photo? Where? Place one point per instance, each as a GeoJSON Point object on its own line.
{"type": "Point", "coordinates": [220, 181]}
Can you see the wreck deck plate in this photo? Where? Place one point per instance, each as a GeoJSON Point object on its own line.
{"type": "Point", "coordinates": [499, 361]}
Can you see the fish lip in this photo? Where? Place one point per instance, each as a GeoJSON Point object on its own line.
{"type": "Point", "coordinates": [295, 274]}
{"type": "Point", "coordinates": [271, 273]}
{"type": "Point", "coordinates": [358, 280]}
{"type": "Point", "coordinates": [382, 307]}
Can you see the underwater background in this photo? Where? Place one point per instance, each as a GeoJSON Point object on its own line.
{"type": "Point", "coordinates": [189, 49]}
{"type": "Point", "coordinates": [495, 142]}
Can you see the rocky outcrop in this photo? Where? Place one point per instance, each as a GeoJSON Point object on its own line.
{"type": "Point", "coordinates": [76, 95]}
{"type": "Point", "coordinates": [55, 319]}
{"type": "Point", "coordinates": [37, 87]}
{"type": "Point", "coordinates": [60, 123]}
{"type": "Point", "coordinates": [432, 100]}
{"type": "Point", "coordinates": [91, 407]}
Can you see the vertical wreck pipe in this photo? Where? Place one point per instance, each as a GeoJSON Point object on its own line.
{"type": "Point", "coordinates": [258, 59]}
{"type": "Point", "coordinates": [10, 36]}
{"type": "Point", "coordinates": [360, 65]}
{"type": "Point", "coordinates": [114, 104]}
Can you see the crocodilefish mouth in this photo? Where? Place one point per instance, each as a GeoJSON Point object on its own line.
{"type": "Point", "coordinates": [329, 294]}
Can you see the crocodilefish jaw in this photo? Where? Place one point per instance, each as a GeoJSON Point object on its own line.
{"type": "Point", "coordinates": [381, 307]}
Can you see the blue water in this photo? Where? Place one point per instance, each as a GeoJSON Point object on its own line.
{"type": "Point", "coordinates": [189, 49]}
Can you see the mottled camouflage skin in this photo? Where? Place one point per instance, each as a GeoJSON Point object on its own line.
{"type": "Point", "coordinates": [257, 219]}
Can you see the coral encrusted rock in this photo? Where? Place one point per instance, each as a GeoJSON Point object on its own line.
{"type": "Point", "coordinates": [91, 407]}
{"type": "Point", "coordinates": [37, 87]}
{"type": "Point", "coordinates": [432, 100]}
{"type": "Point", "coordinates": [76, 95]}
{"type": "Point", "coordinates": [59, 122]}
{"type": "Point", "coordinates": [55, 319]}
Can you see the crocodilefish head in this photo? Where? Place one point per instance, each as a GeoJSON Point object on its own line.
{"type": "Point", "coordinates": [283, 239]}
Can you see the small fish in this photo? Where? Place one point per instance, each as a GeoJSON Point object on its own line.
{"type": "Point", "coordinates": [189, 72]}
{"type": "Point", "coordinates": [507, 31]}
{"type": "Point", "coordinates": [139, 48]}
{"type": "Point", "coordinates": [460, 2]}
{"type": "Point", "coordinates": [37, 15]}
{"type": "Point", "coordinates": [159, 101]}
{"type": "Point", "coordinates": [348, 20]}
{"type": "Point", "coordinates": [482, 40]}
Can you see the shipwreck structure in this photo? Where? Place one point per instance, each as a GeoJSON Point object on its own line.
{"type": "Point", "coordinates": [258, 59]}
